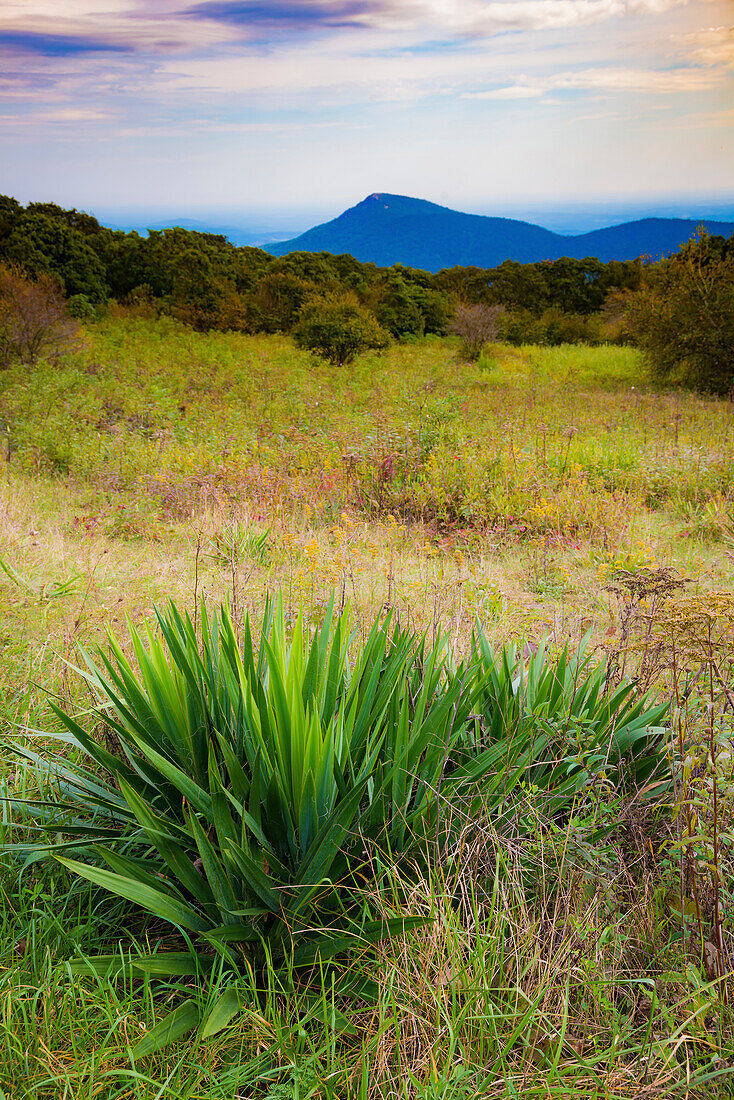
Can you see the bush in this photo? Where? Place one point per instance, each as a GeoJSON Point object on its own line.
{"type": "Point", "coordinates": [683, 315]}
{"type": "Point", "coordinates": [477, 325]}
{"type": "Point", "coordinates": [409, 310]}
{"type": "Point", "coordinates": [552, 327]}
{"type": "Point", "coordinates": [398, 311]}
{"type": "Point", "coordinates": [338, 330]}
{"type": "Point", "coordinates": [81, 308]}
{"type": "Point", "coordinates": [251, 787]}
{"type": "Point", "coordinates": [34, 321]}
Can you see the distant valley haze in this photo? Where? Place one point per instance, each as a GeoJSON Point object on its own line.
{"type": "Point", "coordinates": [261, 227]}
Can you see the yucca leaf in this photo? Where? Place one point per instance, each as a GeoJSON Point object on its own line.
{"type": "Point", "coordinates": [328, 946]}
{"type": "Point", "coordinates": [183, 783]}
{"type": "Point", "coordinates": [162, 905]}
{"type": "Point", "coordinates": [92, 748]}
{"type": "Point", "coordinates": [240, 783]}
{"type": "Point", "coordinates": [224, 1009]}
{"type": "Point", "coordinates": [318, 860]}
{"type": "Point", "coordinates": [174, 1026]}
{"type": "Point", "coordinates": [236, 933]}
{"type": "Point", "coordinates": [166, 837]}
{"type": "Point", "coordinates": [255, 877]}
{"type": "Point", "coordinates": [214, 869]}
{"type": "Point", "coordinates": [162, 964]}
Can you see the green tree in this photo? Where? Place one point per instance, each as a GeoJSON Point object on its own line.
{"type": "Point", "coordinates": [397, 309]}
{"type": "Point", "coordinates": [683, 315]}
{"type": "Point", "coordinates": [77, 219]}
{"type": "Point", "coordinates": [338, 329]}
{"type": "Point", "coordinates": [280, 298]}
{"type": "Point", "coordinates": [10, 213]}
{"type": "Point", "coordinates": [40, 243]}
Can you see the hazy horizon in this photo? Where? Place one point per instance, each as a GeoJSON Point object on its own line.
{"type": "Point", "coordinates": [268, 225]}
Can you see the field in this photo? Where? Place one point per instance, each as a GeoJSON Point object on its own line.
{"type": "Point", "coordinates": [547, 494]}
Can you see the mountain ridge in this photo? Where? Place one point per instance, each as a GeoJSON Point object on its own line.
{"type": "Point", "coordinates": [389, 229]}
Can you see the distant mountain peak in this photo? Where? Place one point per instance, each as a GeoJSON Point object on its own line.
{"type": "Point", "coordinates": [388, 229]}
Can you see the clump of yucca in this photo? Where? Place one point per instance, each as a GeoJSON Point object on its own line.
{"type": "Point", "coordinates": [256, 778]}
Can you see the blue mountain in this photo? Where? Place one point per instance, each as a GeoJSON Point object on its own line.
{"type": "Point", "coordinates": [394, 229]}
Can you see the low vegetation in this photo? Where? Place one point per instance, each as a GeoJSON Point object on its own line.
{"type": "Point", "coordinates": [253, 793]}
{"type": "Point", "coordinates": [421, 786]}
{"type": "Point", "coordinates": [35, 322]}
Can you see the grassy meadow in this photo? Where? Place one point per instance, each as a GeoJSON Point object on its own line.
{"type": "Point", "coordinates": [546, 494]}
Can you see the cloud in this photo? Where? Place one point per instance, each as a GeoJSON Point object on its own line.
{"type": "Point", "coordinates": [279, 15]}
{"type": "Point", "coordinates": [639, 81]}
{"type": "Point", "coordinates": [511, 91]}
{"type": "Point", "coordinates": [709, 46]}
{"type": "Point", "coordinates": [166, 69]}
{"type": "Point", "coordinates": [460, 18]}
{"type": "Point", "coordinates": [75, 28]}
{"type": "Point", "coordinates": [656, 82]}
{"type": "Point", "coordinates": [485, 19]}
{"type": "Point", "coordinates": [216, 126]}
{"type": "Point", "coordinates": [58, 45]}
{"type": "Point", "coordinates": [60, 115]}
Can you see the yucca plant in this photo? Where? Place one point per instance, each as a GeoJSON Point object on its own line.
{"type": "Point", "coordinates": [564, 727]}
{"type": "Point", "coordinates": [253, 782]}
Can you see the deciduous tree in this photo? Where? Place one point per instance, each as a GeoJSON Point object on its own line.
{"type": "Point", "coordinates": [683, 315]}
{"type": "Point", "coordinates": [477, 325]}
{"type": "Point", "coordinates": [33, 318]}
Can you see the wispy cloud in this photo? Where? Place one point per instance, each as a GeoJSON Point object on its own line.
{"type": "Point", "coordinates": [708, 46]}
{"type": "Point", "coordinates": [279, 16]}
{"type": "Point", "coordinates": [51, 117]}
{"type": "Point", "coordinates": [59, 45]}
{"type": "Point", "coordinates": [83, 26]}
{"type": "Point", "coordinates": [608, 79]}
{"type": "Point", "coordinates": [461, 18]}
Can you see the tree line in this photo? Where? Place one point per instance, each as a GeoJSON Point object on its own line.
{"type": "Point", "coordinates": [204, 280]}
{"type": "Point", "coordinates": [679, 310]}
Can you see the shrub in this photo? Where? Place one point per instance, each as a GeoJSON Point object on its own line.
{"type": "Point", "coordinates": [251, 787]}
{"type": "Point", "coordinates": [406, 309]}
{"type": "Point", "coordinates": [33, 318]}
{"type": "Point", "coordinates": [575, 730]}
{"type": "Point", "coordinates": [81, 308]}
{"type": "Point", "coordinates": [477, 325]}
{"type": "Point", "coordinates": [683, 315]}
{"type": "Point", "coordinates": [281, 295]}
{"type": "Point", "coordinates": [552, 328]}
{"type": "Point", "coordinates": [338, 329]}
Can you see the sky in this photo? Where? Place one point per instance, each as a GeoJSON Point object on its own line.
{"type": "Point", "coordinates": [275, 110]}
